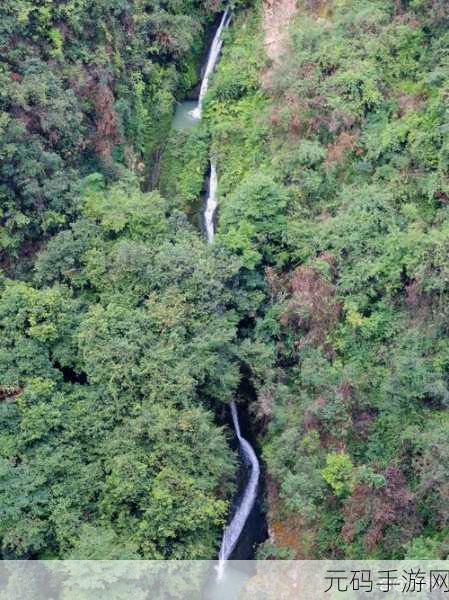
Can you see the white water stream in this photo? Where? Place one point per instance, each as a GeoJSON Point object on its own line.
{"type": "Point", "coordinates": [212, 202]}
{"type": "Point", "coordinates": [232, 532]}
{"type": "Point", "coordinates": [212, 60]}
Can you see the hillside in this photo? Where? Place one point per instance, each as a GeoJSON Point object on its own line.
{"type": "Point", "coordinates": [320, 308]}
{"type": "Point", "coordinates": [334, 184]}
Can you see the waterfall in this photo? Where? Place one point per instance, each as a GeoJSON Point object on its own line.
{"type": "Point", "coordinates": [212, 202]}
{"type": "Point", "coordinates": [232, 532]}
{"type": "Point", "coordinates": [214, 53]}
{"type": "Point", "coordinates": [212, 59]}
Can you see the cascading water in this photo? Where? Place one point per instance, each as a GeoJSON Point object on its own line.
{"type": "Point", "coordinates": [212, 59]}
{"type": "Point", "coordinates": [232, 532]}
{"type": "Point", "coordinates": [234, 529]}
{"type": "Point", "coordinates": [212, 202]}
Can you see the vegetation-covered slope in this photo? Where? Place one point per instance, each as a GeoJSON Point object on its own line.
{"type": "Point", "coordinates": [325, 289]}
{"type": "Point", "coordinates": [334, 179]}
{"type": "Point", "coordinates": [86, 86]}
{"type": "Point", "coordinates": [107, 450]}
{"type": "Point", "coordinates": [116, 340]}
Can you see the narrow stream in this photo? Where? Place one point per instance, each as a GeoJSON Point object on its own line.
{"type": "Point", "coordinates": [246, 500]}
{"type": "Point", "coordinates": [212, 202]}
{"type": "Point", "coordinates": [232, 532]}
{"type": "Point", "coordinates": [212, 60]}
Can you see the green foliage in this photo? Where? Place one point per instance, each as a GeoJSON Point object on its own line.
{"type": "Point", "coordinates": [325, 291]}
{"type": "Point", "coordinates": [235, 108]}
{"type": "Point", "coordinates": [84, 88]}
{"type": "Point", "coordinates": [237, 75]}
{"type": "Point", "coordinates": [184, 167]}
{"type": "Point", "coordinates": [422, 548]}
{"type": "Point", "coordinates": [252, 220]}
{"type": "Point", "coordinates": [338, 473]}
{"type": "Point", "coordinates": [354, 324]}
{"type": "Point", "coordinates": [108, 447]}
{"type": "Point", "coordinates": [124, 209]}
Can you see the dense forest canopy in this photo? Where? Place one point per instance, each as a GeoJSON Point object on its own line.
{"type": "Point", "coordinates": [117, 321]}
{"type": "Point", "coordinates": [86, 87]}
{"type": "Point", "coordinates": [125, 335]}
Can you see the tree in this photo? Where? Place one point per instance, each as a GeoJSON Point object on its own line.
{"type": "Point", "coordinates": [253, 220]}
